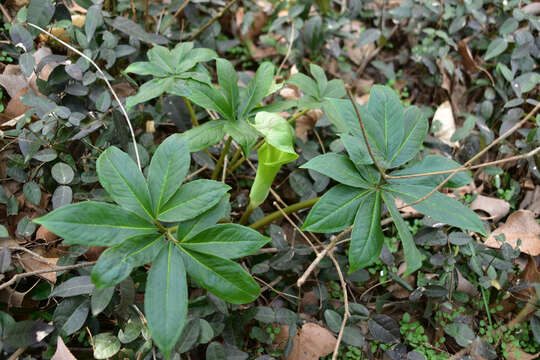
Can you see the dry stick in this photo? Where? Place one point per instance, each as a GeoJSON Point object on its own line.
{"type": "Point", "coordinates": [34, 254]}
{"type": "Point", "coordinates": [205, 26]}
{"type": "Point", "coordinates": [291, 40]}
{"type": "Point", "coordinates": [123, 110]}
{"type": "Point", "coordinates": [364, 134]}
{"type": "Point", "coordinates": [169, 23]}
{"type": "Point", "coordinates": [6, 13]}
{"type": "Point", "coordinates": [37, 272]}
{"type": "Point", "coordinates": [345, 304]}
{"type": "Point", "coordinates": [477, 156]}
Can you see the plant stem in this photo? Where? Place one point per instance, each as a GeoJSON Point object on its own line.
{"type": "Point", "coordinates": [194, 120]}
{"type": "Point", "coordinates": [473, 252]}
{"type": "Point", "coordinates": [205, 26]}
{"type": "Point", "coordinates": [245, 217]}
{"type": "Point", "coordinates": [219, 164]}
{"type": "Point", "coordinates": [169, 23]}
{"type": "Point", "coordinates": [287, 210]}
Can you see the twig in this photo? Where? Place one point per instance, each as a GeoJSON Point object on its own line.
{"type": "Point", "coordinates": [34, 254]}
{"type": "Point", "coordinates": [219, 164]}
{"type": "Point", "coordinates": [345, 304]}
{"type": "Point", "coordinates": [169, 23]}
{"type": "Point", "coordinates": [225, 164]}
{"type": "Point", "coordinates": [6, 14]}
{"type": "Point", "coordinates": [123, 110]}
{"type": "Point", "coordinates": [17, 353]}
{"type": "Point", "coordinates": [477, 156]}
{"type": "Point", "coordinates": [205, 26]}
{"type": "Point", "coordinates": [289, 48]}
{"type": "Point", "coordinates": [322, 254]}
{"type": "Point", "coordinates": [197, 172]}
{"type": "Point", "coordinates": [37, 272]}
{"type": "Point", "coordinates": [383, 174]}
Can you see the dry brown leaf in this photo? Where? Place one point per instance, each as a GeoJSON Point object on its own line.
{"type": "Point", "coordinates": [290, 94]}
{"type": "Point", "coordinates": [515, 353]}
{"type": "Point", "coordinates": [445, 117]}
{"type": "Point", "coordinates": [44, 234]}
{"type": "Point", "coordinates": [360, 54]}
{"type": "Point", "coordinates": [530, 274]}
{"type": "Point", "coordinates": [309, 300]}
{"type": "Point", "coordinates": [306, 123]}
{"type": "Point", "coordinates": [496, 208]}
{"type": "Point", "coordinates": [466, 57]}
{"type": "Point", "coordinates": [520, 225]}
{"type": "Point", "coordinates": [31, 263]}
{"type": "Point", "coordinates": [465, 285]}
{"type": "Point", "coordinates": [62, 352]}
{"type": "Point", "coordinates": [281, 338]}
{"type": "Point", "coordinates": [312, 342]}
{"type": "Point", "coordinates": [12, 297]}
{"type": "Point", "coordinates": [531, 201]}
{"type": "Point", "coordinates": [123, 89]}
{"type": "Point", "coordinates": [408, 211]}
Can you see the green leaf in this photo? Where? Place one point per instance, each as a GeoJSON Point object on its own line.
{"type": "Point", "coordinates": [95, 224]}
{"type": "Point", "coordinates": [495, 48]}
{"type": "Point", "coordinates": [131, 28]}
{"type": "Point", "coordinates": [257, 89]}
{"type": "Point", "coordinates": [189, 228]}
{"type": "Point", "coordinates": [40, 12]}
{"type": "Point", "coordinates": [320, 77]}
{"type": "Point", "coordinates": [338, 167]}
{"type": "Point", "coordinates": [78, 285]}
{"type": "Point", "coordinates": [357, 150]}
{"type": "Point", "coordinates": [115, 264]}
{"type": "Point", "coordinates": [150, 90]}
{"type": "Point", "coordinates": [416, 127]}
{"type": "Point", "coordinates": [210, 98]}
{"type": "Point", "coordinates": [305, 83]}
{"type": "Point", "coordinates": [180, 51]}
{"type": "Point", "coordinates": [335, 210]}
{"type": "Point", "coordinates": [92, 21]}
{"type": "Point", "coordinates": [413, 257]}
{"type": "Point", "coordinates": [32, 192]}
{"type": "Point", "coordinates": [228, 81]}
{"type": "Point", "coordinates": [367, 237]}
{"type": "Point", "coordinates": [276, 131]}
{"type": "Point", "coordinates": [465, 130]}
{"type": "Point", "coordinates": [106, 345]}
{"type": "Point", "coordinates": [440, 207]}
{"type": "Point", "coordinates": [341, 114]}
{"type": "Point", "coordinates": [243, 133]}
{"type": "Point", "coordinates": [195, 56]}
{"type": "Point", "coordinates": [166, 300]}
{"type": "Point", "coordinates": [146, 68]}
{"type": "Point", "coordinates": [222, 277]}
{"type": "Point", "coordinates": [119, 175]}
{"type": "Point", "coordinates": [229, 241]}
{"type": "Point", "coordinates": [168, 168]}
{"type": "Point", "coordinates": [162, 57]}
{"type": "Point", "coordinates": [387, 112]}
{"type": "Point", "coordinates": [204, 135]}
{"type": "Point", "coordinates": [192, 199]}
{"type": "Point", "coordinates": [335, 89]}
{"type": "Point", "coordinates": [333, 320]}
{"type": "Point", "coordinates": [100, 299]}
{"type": "Point", "coordinates": [432, 163]}
{"type": "Point", "coordinates": [461, 332]}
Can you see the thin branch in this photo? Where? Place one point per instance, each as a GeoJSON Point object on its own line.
{"type": "Point", "coordinates": [37, 272]}
{"type": "Point", "coordinates": [169, 23]}
{"type": "Point", "coordinates": [6, 14]}
{"type": "Point", "coordinates": [383, 174]}
{"type": "Point", "coordinates": [345, 304]}
{"type": "Point", "coordinates": [287, 210]}
{"type": "Point", "coordinates": [34, 254]}
{"type": "Point", "coordinates": [477, 156]}
{"type": "Point", "coordinates": [205, 26]}
{"type": "Point", "coordinates": [123, 110]}
{"type": "Point", "coordinates": [289, 48]}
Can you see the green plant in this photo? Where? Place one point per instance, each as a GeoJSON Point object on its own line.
{"type": "Point", "coordinates": [137, 233]}
{"type": "Point", "coordinates": [387, 137]}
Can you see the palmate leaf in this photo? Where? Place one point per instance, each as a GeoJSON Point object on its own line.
{"type": "Point", "coordinates": [228, 81]}
{"type": "Point", "coordinates": [115, 264]}
{"type": "Point", "coordinates": [229, 241]}
{"type": "Point", "coordinates": [367, 237]}
{"type": "Point", "coordinates": [440, 207]}
{"type": "Point", "coordinates": [95, 224]}
{"type": "Point", "coordinates": [166, 299]}
{"type": "Point", "coordinates": [338, 167]}
{"type": "Point", "coordinates": [413, 257]}
{"type": "Point", "coordinates": [189, 228]}
{"type": "Point", "coordinates": [168, 168]}
{"type": "Point", "coordinates": [416, 127]}
{"type": "Point", "coordinates": [119, 175]}
{"type": "Point", "coordinates": [222, 277]}
{"type": "Point", "coordinates": [257, 89]}
{"type": "Point", "coordinates": [150, 90]}
{"type": "Point", "coordinates": [205, 135]}
{"type": "Point", "coordinates": [210, 98]}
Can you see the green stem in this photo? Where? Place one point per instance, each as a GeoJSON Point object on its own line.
{"type": "Point", "coordinates": [194, 120]}
{"type": "Point", "coordinates": [288, 210]}
{"type": "Point", "coordinates": [221, 159]}
{"type": "Point", "coordinates": [486, 305]}
{"type": "Point", "coordinates": [245, 217]}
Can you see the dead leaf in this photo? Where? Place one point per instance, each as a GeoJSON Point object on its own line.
{"type": "Point", "coordinates": [312, 342]}
{"type": "Point", "coordinates": [31, 263]}
{"type": "Point", "coordinates": [288, 93]}
{"type": "Point", "coordinates": [306, 123]}
{"type": "Point", "coordinates": [446, 83]}
{"type": "Point", "coordinates": [44, 234]}
{"type": "Point", "coordinates": [530, 274]}
{"type": "Point", "coordinates": [309, 302]}
{"type": "Point", "coordinates": [407, 211]}
{"type": "Point", "coordinates": [520, 225]}
{"type": "Point", "coordinates": [281, 338]}
{"type": "Point", "coordinates": [496, 208]}
{"type": "Point", "coordinates": [12, 297]}
{"type": "Point", "coordinates": [465, 285]}
{"type": "Point", "coordinates": [531, 201]}
{"type": "Point", "coordinates": [62, 352]}
{"type": "Point", "coordinates": [445, 117]}
{"type": "Point", "coordinates": [515, 353]}
{"type": "Point", "coordinates": [466, 57]}
{"type": "Point", "coordinates": [123, 89]}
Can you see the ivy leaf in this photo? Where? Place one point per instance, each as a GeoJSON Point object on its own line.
{"type": "Point", "coordinates": [192, 199]}
{"type": "Point", "coordinates": [119, 175]}
{"type": "Point", "coordinates": [95, 224]}
{"type": "Point", "coordinates": [335, 210]}
{"type": "Point", "coordinates": [115, 264]}
{"type": "Point", "coordinates": [229, 241]}
{"type": "Point", "coordinates": [440, 207]}
{"type": "Point", "coordinates": [168, 168]}
{"type": "Point", "coordinates": [166, 300]}
{"type": "Point", "coordinates": [367, 237]}
{"type": "Point", "coordinates": [413, 257]}
{"type": "Point", "coordinates": [222, 277]}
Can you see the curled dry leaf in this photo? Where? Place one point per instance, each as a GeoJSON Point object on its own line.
{"type": "Point", "coordinates": [312, 342]}
{"type": "Point", "coordinates": [44, 234]}
{"type": "Point", "coordinates": [530, 274]}
{"type": "Point", "coordinates": [466, 56]}
{"type": "Point", "coordinates": [445, 117]}
{"type": "Point", "coordinates": [306, 123]}
{"type": "Point", "coordinates": [62, 352]}
{"type": "Point", "coordinates": [531, 201]}
{"type": "Point", "coordinates": [31, 263]}
{"type": "Point", "coordinates": [496, 208]}
{"type": "Point", "coordinates": [515, 353]}
{"type": "Point", "coordinates": [520, 225]}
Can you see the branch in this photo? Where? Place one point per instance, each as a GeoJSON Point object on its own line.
{"type": "Point", "coordinates": [169, 23]}
{"type": "Point", "coordinates": [346, 314]}
{"type": "Point", "coordinates": [383, 174]}
{"type": "Point", "coordinates": [37, 272]}
{"type": "Point", "coordinates": [123, 110]}
{"type": "Point", "coordinates": [477, 156]}
{"type": "Point", "coordinates": [205, 26]}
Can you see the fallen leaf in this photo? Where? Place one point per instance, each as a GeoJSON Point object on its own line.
{"type": "Point", "coordinates": [407, 211]}
{"type": "Point", "coordinates": [530, 274]}
{"type": "Point", "coordinates": [466, 57]}
{"type": "Point", "coordinates": [445, 117]}
{"type": "Point", "coordinates": [12, 297]}
{"type": "Point", "coordinates": [465, 285]}
{"type": "Point", "coordinates": [309, 302]}
{"type": "Point", "coordinates": [312, 342]}
{"type": "Point", "coordinates": [515, 353]}
{"type": "Point", "coordinates": [531, 201]}
{"type": "Point", "coordinates": [62, 352]}
{"type": "Point", "coordinates": [306, 123]}
{"type": "Point", "coordinates": [496, 208]}
{"type": "Point", "coordinates": [31, 263]}
{"type": "Point", "coordinates": [44, 234]}
{"type": "Point", "coordinates": [520, 225]}
{"type": "Point", "coordinates": [123, 89]}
